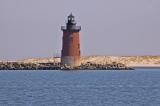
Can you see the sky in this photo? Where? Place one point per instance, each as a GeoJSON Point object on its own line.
{"type": "Point", "coordinates": [32, 28]}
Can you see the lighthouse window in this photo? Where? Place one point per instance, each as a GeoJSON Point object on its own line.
{"type": "Point", "coordinates": [78, 46]}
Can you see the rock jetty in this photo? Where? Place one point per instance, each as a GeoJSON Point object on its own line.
{"type": "Point", "coordinates": [130, 61]}
{"type": "Point", "coordinates": [58, 66]}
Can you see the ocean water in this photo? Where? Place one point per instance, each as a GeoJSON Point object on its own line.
{"type": "Point", "coordinates": [140, 87]}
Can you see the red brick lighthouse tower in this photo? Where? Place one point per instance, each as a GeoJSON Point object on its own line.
{"type": "Point", "coordinates": [71, 44]}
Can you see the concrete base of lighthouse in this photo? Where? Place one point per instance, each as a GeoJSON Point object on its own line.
{"type": "Point", "coordinates": [70, 61]}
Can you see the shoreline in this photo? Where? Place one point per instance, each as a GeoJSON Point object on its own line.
{"type": "Point", "coordinates": [58, 66]}
{"type": "Point", "coordinates": [146, 67]}
{"type": "Point", "coordinates": [89, 63]}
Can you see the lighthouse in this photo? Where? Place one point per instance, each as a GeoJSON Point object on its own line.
{"type": "Point", "coordinates": [70, 54]}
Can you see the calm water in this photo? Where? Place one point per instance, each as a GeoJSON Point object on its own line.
{"type": "Point", "coordinates": [88, 88]}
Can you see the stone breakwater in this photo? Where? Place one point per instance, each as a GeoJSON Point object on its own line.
{"type": "Point", "coordinates": [87, 62]}
{"type": "Point", "coordinates": [130, 61]}
{"type": "Point", "coordinates": [58, 66]}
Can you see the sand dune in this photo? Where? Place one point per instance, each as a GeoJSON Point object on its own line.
{"type": "Point", "coordinates": [133, 61]}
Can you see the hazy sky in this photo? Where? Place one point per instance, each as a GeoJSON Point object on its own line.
{"type": "Point", "coordinates": [31, 28]}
